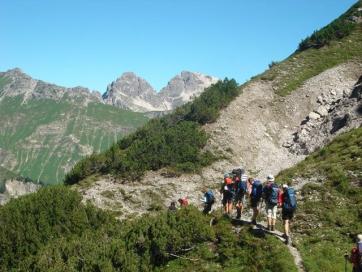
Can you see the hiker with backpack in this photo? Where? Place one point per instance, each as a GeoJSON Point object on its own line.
{"type": "Point", "coordinates": [184, 202]}
{"type": "Point", "coordinates": [209, 200]}
{"type": "Point", "coordinates": [256, 192]}
{"type": "Point", "coordinates": [240, 193]}
{"type": "Point", "coordinates": [288, 203]}
{"type": "Point", "coordinates": [172, 207]}
{"type": "Point", "coordinates": [356, 255]}
{"type": "Point", "coordinates": [271, 195]}
{"type": "Point", "coordinates": [227, 191]}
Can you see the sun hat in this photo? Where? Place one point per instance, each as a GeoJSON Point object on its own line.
{"type": "Point", "coordinates": [359, 238]}
{"type": "Point", "coordinates": [285, 186]}
{"type": "Point", "coordinates": [270, 178]}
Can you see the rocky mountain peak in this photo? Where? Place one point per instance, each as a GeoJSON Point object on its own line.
{"type": "Point", "coordinates": [18, 83]}
{"type": "Point", "coordinates": [185, 86]}
{"type": "Point", "coordinates": [15, 71]}
{"type": "Point", "coordinates": [130, 91]}
{"type": "Point", "coordinates": [133, 92]}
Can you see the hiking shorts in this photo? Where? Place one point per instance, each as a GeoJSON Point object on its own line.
{"type": "Point", "coordinates": [254, 203]}
{"type": "Point", "coordinates": [271, 211]}
{"type": "Point", "coordinates": [227, 198]}
{"type": "Point", "coordinates": [287, 214]}
{"type": "Point", "coordinates": [239, 198]}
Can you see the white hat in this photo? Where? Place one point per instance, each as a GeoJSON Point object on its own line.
{"type": "Point", "coordinates": [359, 238]}
{"type": "Point", "coordinates": [270, 178]}
{"type": "Point", "coordinates": [285, 186]}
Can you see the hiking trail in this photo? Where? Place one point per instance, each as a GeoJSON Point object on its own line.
{"type": "Point", "coordinates": [261, 229]}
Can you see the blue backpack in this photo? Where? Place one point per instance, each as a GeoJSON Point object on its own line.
{"type": "Point", "coordinates": [242, 187]}
{"type": "Point", "coordinates": [290, 200]}
{"type": "Point", "coordinates": [256, 190]}
{"type": "Point", "coordinates": [273, 194]}
{"type": "Point", "coordinates": [210, 198]}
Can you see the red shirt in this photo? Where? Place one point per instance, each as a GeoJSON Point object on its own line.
{"type": "Point", "coordinates": [280, 198]}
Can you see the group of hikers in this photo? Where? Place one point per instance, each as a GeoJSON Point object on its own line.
{"type": "Point", "coordinates": [238, 187]}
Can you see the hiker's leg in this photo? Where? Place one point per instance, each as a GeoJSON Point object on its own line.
{"type": "Point", "coordinates": [269, 216]}
{"type": "Point", "coordinates": [274, 216]}
{"type": "Point", "coordinates": [230, 206]}
{"type": "Point", "coordinates": [286, 227]}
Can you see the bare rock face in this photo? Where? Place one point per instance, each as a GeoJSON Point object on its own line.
{"type": "Point", "coordinates": [184, 87]}
{"type": "Point", "coordinates": [134, 93]}
{"type": "Point", "coordinates": [15, 188]}
{"type": "Point", "coordinates": [339, 111]}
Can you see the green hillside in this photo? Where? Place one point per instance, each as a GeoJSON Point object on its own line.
{"type": "Point", "coordinates": [53, 231]}
{"type": "Point", "coordinates": [42, 139]}
{"type": "Point", "coordinates": [342, 42]}
{"type": "Point", "coordinates": [330, 213]}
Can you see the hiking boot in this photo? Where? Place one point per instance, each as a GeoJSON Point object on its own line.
{"type": "Point", "coordinates": [269, 227]}
{"type": "Point", "coordinates": [272, 228]}
{"type": "Point", "coordinates": [287, 240]}
{"type": "Point", "coordinates": [253, 222]}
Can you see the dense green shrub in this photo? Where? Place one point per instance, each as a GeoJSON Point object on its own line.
{"type": "Point", "coordinates": [53, 231]}
{"type": "Point", "coordinates": [175, 140]}
{"type": "Point", "coordinates": [28, 223]}
{"type": "Point", "coordinates": [336, 30]}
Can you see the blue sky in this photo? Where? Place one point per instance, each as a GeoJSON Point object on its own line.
{"type": "Point", "coordinates": [91, 43]}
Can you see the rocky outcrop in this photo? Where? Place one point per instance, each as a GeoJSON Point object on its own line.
{"type": "Point", "coordinates": [15, 188]}
{"type": "Point", "coordinates": [134, 93]}
{"type": "Point", "coordinates": [339, 110]}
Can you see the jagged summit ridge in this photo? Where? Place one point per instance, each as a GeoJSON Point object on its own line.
{"type": "Point", "coordinates": [132, 92]}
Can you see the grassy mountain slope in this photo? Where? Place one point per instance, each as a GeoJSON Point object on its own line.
{"type": "Point", "coordinates": [330, 211]}
{"type": "Point", "coordinates": [52, 230]}
{"type": "Point", "coordinates": [302, 65]}
{"type": "Point", "coordinates": [44, 138]}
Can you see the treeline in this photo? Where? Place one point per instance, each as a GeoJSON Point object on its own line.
{"type": "Point", "coordinates": [174, 141]}
{"type": "Point", "coordinates": [52, 230]}
{"type": "Point", "coordinates": [336, 30]}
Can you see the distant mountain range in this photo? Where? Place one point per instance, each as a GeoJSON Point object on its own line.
{"type": "Point", "coordinates": [45, 129]}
